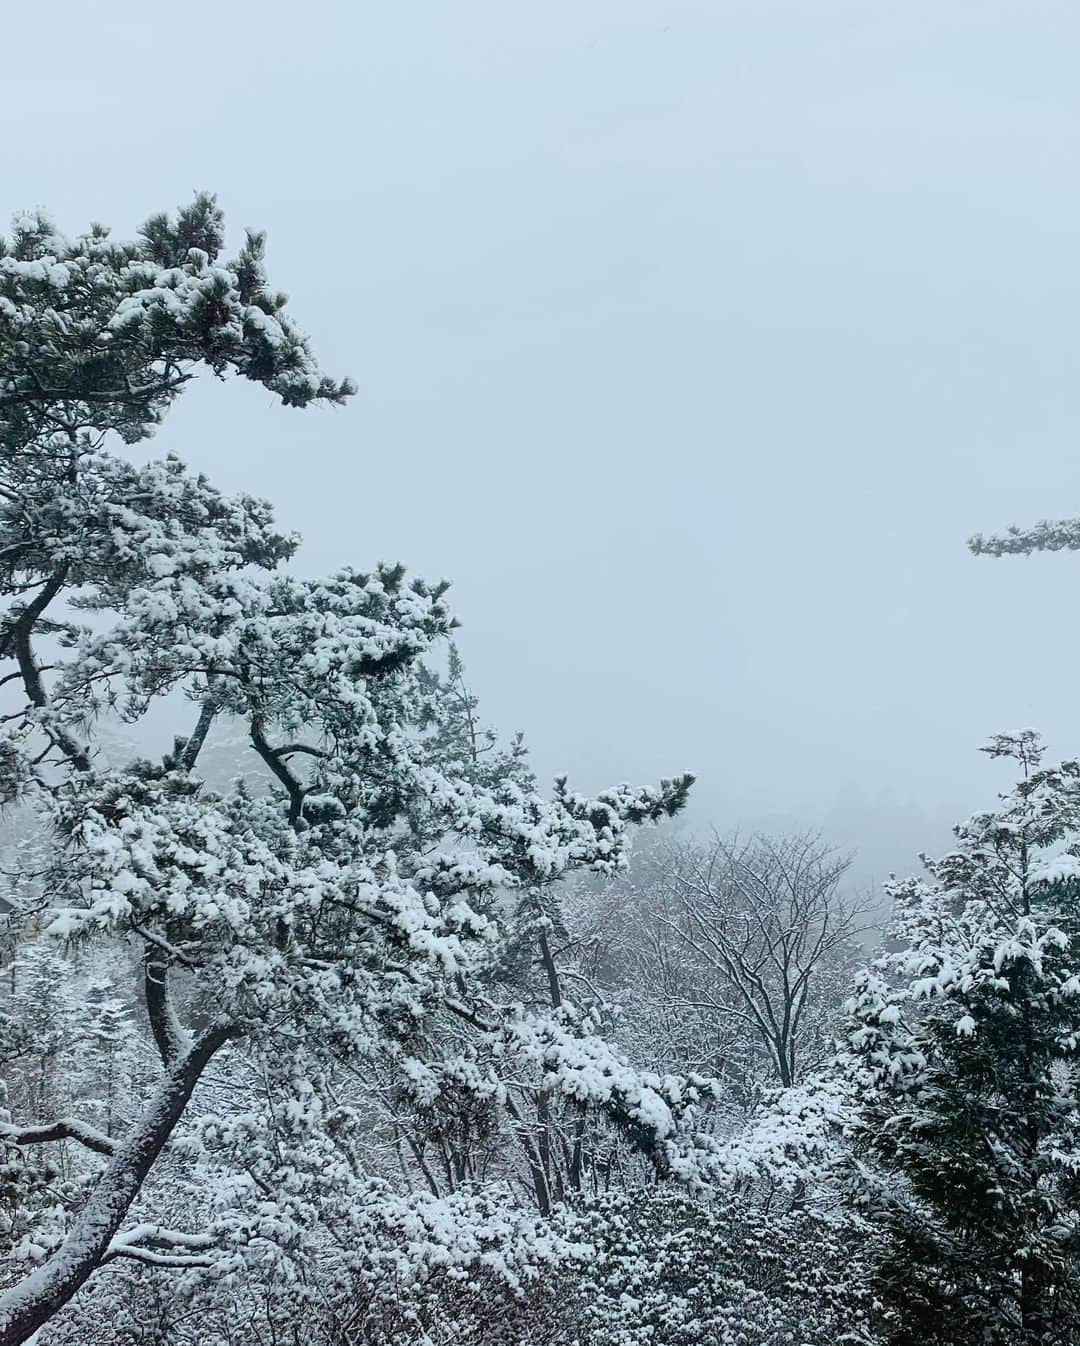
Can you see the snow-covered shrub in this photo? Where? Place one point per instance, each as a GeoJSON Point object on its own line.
{"type": "Point", "coordinates": [668, 1270]}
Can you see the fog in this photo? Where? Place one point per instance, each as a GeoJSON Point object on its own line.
{"type": "Point", "coordinates": [693, 341]}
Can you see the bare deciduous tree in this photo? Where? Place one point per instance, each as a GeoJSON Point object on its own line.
{"type": "Point", "coordinates": [765, 933]}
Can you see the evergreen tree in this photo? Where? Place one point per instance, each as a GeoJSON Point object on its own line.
{"type": "Point", "coordinates": [964, 1053]}
{"type": "Point", "coordinates": [41, 990]}
{"type": "Point", "coordinates": [111, 1047]}
{"type": "Point", "coordinates": [350, 910]}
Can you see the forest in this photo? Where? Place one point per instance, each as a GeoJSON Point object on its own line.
{"type": "Point", "coordinates": [326, 1021]}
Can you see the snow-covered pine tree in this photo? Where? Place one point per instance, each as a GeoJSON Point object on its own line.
{"type": "Point", "coordinates": [336, 915]}
{"type": "Point", "coordinates": [964, 1052]}
{"type": "Point", "coordinates": [112, 1046]}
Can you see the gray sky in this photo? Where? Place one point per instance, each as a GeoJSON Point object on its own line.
{"type": "Point", "coordinates": [693, 340]}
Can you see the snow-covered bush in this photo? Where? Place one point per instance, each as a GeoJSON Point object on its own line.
{"type": "Point", "coordinates": [465, 1269]}
{"type": "Point", "coordinates": [666, 1268]}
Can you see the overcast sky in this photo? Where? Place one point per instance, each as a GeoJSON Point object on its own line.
{"type": "Point", "coordinates": [693, 341]}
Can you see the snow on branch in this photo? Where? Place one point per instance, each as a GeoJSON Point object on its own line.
{"type": "Point", "coordinates": [1063, 535]}
{"type": "Point", "coordinates": [64, 1128]}
{"type": "Point", "coordinates": [160, 1247]}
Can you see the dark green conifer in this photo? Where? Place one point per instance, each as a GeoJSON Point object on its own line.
{"type": "Point", "coordinates": [965, 1049]}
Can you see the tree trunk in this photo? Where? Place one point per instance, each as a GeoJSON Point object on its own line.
{"type": "Point", "coordinates": [30, 1304]}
